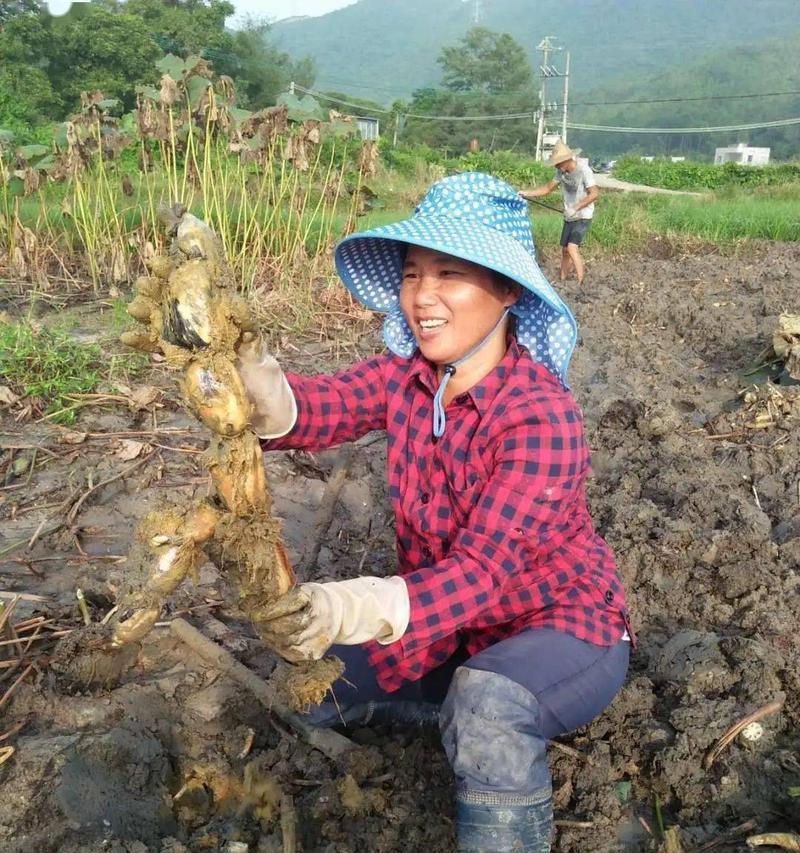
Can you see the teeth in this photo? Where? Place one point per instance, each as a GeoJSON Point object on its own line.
{"type": "Point", "coordinates": [431, 324]}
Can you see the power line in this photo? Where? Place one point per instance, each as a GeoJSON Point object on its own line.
{"type": "Point", "coordinates": [681, 100]}
{"type": "Point", "coordinates": [500, 117]}
{"type": "Point", "coordinates": [341, 101]}
{"type": "Point", "coordinates": [784, 122]}
{"type": "Point", "coordinates": [592, 103]}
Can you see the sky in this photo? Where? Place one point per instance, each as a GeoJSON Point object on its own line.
{"type": "Point", "coordinates": [277, 9]}
{"type": "Point", "coordinates": [271, 9]}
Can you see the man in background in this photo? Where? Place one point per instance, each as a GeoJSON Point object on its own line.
{"type": "Point", "coordinates": [580, 193]}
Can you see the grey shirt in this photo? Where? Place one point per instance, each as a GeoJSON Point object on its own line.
{"type": "Point", "coordinates": [575, 186]}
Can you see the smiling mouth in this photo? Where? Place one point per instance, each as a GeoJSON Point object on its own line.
{"type": "Point", "coordinates": [430, 325]}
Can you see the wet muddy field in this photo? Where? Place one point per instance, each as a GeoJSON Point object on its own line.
{"type": "Point", "coordinates": [696, 486]}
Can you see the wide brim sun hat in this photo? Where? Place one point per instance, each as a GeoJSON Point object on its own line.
{"type": "Point", "coordinates": [478, 218]}
{"type": "Point", "coordinates": [561, 153]}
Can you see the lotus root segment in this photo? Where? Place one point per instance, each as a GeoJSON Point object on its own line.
{"type": "Point", "coordinates": [190, 314]}
{"type": "Point", "coordinates": [215, 394]}
{"type": "Point", "coordinates": [237, 471]}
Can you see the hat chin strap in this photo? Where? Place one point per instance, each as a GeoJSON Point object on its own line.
{"type": "Point", "coordinates": [449, 370]}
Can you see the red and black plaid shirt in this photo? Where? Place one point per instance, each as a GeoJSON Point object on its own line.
{"type": "Point", "coordinates": [493, 532]}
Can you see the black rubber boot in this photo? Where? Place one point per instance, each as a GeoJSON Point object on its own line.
{"type": "Point", "coordinates": [504, 823]}
{"type": "Point", "coordinates": [380, 713]}
{"type": "Point", "coordinates": [403, 712]}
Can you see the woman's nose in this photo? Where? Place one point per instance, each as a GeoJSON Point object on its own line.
{"type": "Point", "coordinates": [427, 288]}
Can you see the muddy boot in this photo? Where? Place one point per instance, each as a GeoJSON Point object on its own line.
{"type": "Point", "coordinates": [491, 732]}
{"type": "Point", "coordinates": [376, 713]}
{"type": "Point", "coordinates": [504, 823]}
{"type": "Point", "coordinates": [402, 712]}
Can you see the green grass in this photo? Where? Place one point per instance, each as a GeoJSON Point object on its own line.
{"type": "Point", "coordinates": [624, 222]}
{"type": "Point", "coordinates": [45, 362]}
{"type": "Point", "coordinates": [691, 175]}
{"type": "Point", "coordinates": [48, 364]}
{"type": "Point", "coordinates": [727, 220]}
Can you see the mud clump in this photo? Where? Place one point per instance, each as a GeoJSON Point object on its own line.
{"type": "Point", "coordinates": [305, 684]}
{"type": "Point", "coordinates": [360, 801]}
{"type": "Point", "coordinates": [86, 659]}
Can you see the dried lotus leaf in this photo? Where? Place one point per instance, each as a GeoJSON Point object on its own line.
{"type": "Point", "coordinates": [216, 395]}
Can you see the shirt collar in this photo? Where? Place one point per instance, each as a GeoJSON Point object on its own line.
{"type": "Point", "coordinates": [483, 393]}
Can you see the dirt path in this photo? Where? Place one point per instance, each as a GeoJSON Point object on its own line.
{"type": "Point", "coordinates": [607, 182]}
{"type": "Point", "coordinates": [701, 511]}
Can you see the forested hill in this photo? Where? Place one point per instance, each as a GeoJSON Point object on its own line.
{"type": "Point", "coordinates": [381, 49]}
{"type": "Point", "coordinates": [766, 66]}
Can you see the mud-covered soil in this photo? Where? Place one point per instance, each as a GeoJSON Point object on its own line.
{"type": "Point", "coordinates": [702, 511]}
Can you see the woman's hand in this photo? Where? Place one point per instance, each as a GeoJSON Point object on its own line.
{"type": "Point", "coordinates": [274, 405]}
{"type": "Point", "coordinates": [305, 622]}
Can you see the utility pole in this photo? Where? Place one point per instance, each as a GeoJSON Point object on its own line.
{"type": "Point", "coordinates": [566, 101]}
{"type": "Point", "coordinates": [546, 71]}
{"type": "Point", "coordinates": [545, 47]}
{"type": "Point", "coordinates": [477, 13]}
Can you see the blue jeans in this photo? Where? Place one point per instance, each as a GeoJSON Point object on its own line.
{"type": "Point", "coordinates": [499, 707]}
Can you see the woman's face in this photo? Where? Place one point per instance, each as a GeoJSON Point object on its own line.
{"type": "Point", "coordinates": [451, 305]}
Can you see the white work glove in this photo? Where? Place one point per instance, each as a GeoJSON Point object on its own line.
{"type": "Point", "coordinates": [274, 405]}
{"type": "Point", "coordinates": [569, 212]}
{"type": "Point", "coordinates": [305, 622]}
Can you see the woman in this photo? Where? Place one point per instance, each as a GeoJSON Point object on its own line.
{"type": "Point", "coordinates": [507, 620]}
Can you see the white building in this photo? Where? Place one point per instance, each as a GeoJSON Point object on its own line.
{"type": "Point", "coordinates": [742, 153]}
{"type": "Point", "coordinates": [368, 127]}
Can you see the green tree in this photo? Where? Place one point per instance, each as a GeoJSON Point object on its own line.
{"type": "Point", "coordinates": [261, 71]}
{"type": "Point", "coordinates": [95, 48]}
{"type": "Point", "coordinates": [485, 74]}
{"type": "Point", "coordinates": [485, 61]}
{"type": "Point", "coordinates": [13, 8]}
{"type": "Point", "coordinates": [185, 27]}
{"type": "Point", "coordinates": [27, 97]}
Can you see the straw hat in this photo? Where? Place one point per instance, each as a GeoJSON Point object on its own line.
{"type": "Point", "coordinates": [476, 217]}
{"type": "Point", "coordinates": [562, 152]}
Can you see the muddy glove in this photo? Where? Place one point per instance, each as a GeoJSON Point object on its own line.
{"type": "Point", "coordinates": [569, 212]}
{"type": "Point", "coordinates": [309, 619]}
{"type": "Point", "coordinates": [274, 405]}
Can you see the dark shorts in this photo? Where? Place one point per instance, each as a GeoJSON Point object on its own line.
{"type": "Point", "coordinates": [574, 232]}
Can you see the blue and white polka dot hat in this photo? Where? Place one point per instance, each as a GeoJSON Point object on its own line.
{"type": "Point", "coordinates": [478, 218]}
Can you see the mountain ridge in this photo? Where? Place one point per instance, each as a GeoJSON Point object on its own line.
{"type": "Point", "coordinates": [384, 49]}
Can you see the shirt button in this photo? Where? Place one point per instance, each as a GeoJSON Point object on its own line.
{"type": "Point", "coordinates": [427, 551]}
{"type": "Point", "coordinates": [609, 596]}
{"type": "Point", "coordinates": [425, 497]}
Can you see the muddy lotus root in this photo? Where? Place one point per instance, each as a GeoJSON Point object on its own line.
{"type": "Point", "coordinates": [191, 315]}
